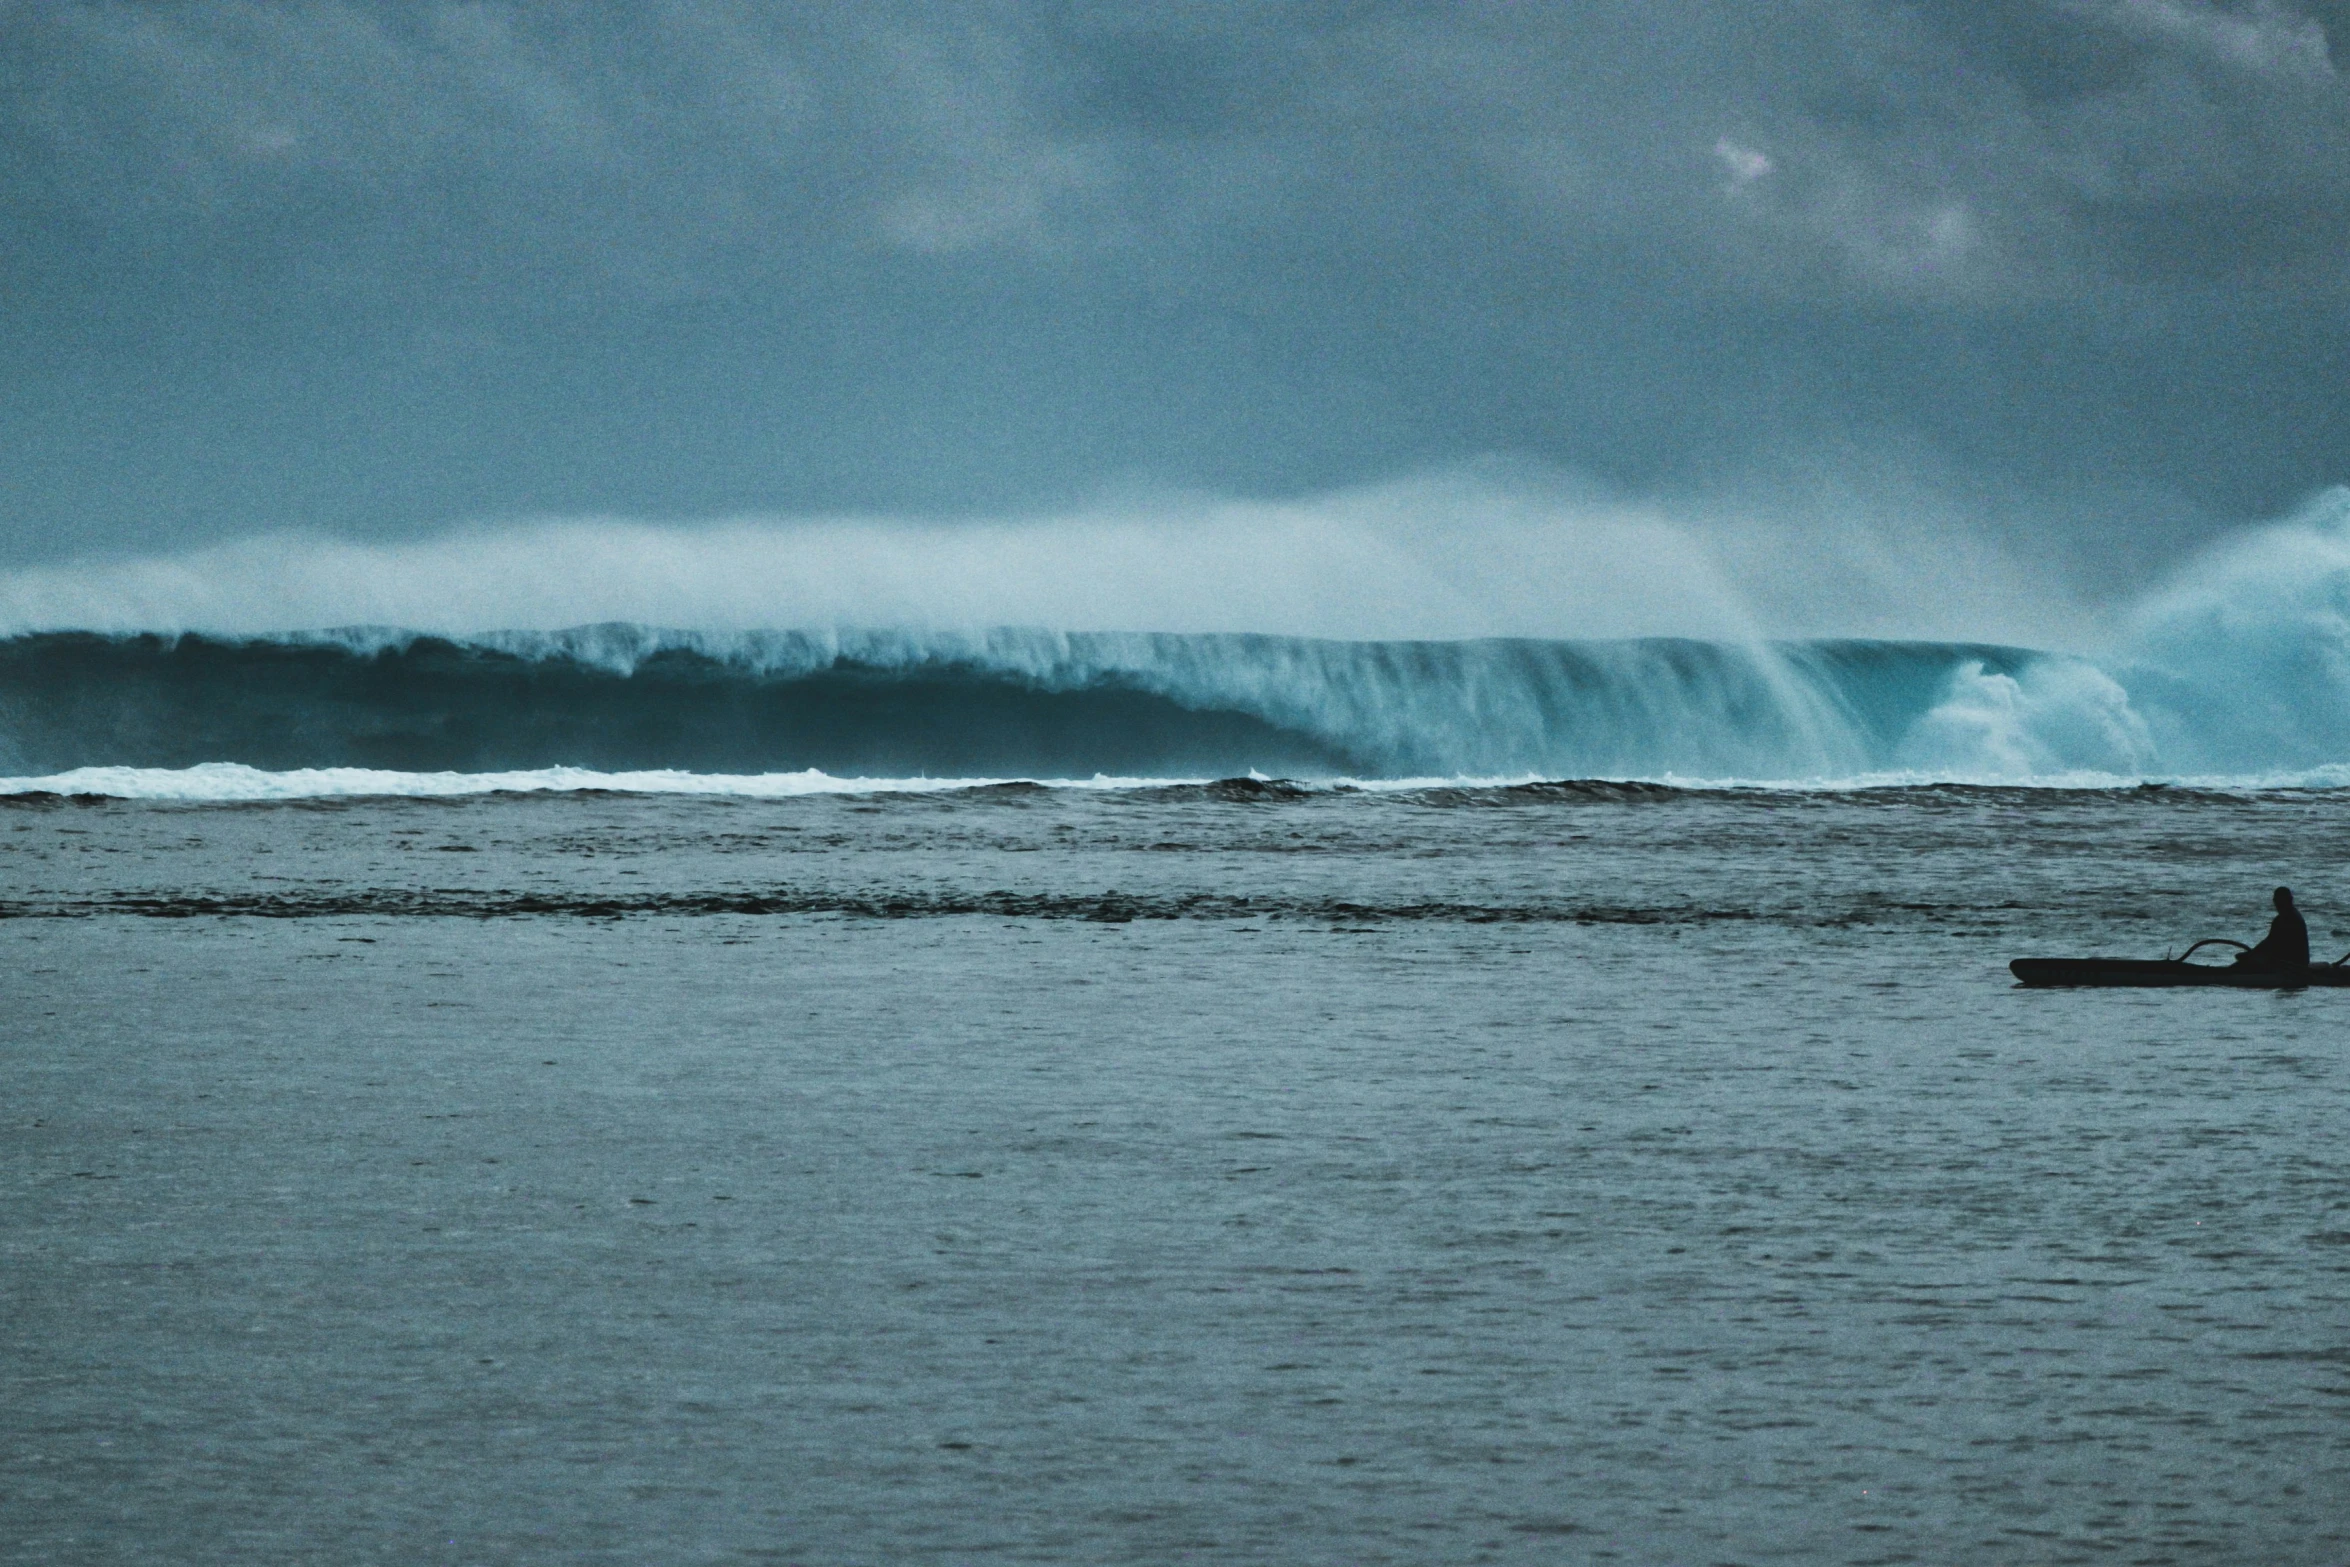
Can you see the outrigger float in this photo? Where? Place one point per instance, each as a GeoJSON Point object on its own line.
{"type": "Point", "coordinates": [2047, 972]}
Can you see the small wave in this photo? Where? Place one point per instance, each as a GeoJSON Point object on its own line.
{"type": "Point", "coordinates": [232, 782]}
{"type": "Point", "coordinates": [228, 783]}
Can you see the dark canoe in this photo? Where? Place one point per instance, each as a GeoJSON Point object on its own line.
{"type": "Point", "coordinates": [2169, 971]}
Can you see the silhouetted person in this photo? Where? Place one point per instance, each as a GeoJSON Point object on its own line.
{"type": "Point", "coordinates": [2286, 948]}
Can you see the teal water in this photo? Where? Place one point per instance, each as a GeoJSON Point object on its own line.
{"type": "Point", "coordinates": [1525, 1177]}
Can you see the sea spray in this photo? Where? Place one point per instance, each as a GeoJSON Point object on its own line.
{"type": "Point", "coordinates": [2050, 717]}
{"type": "Point", "coordinates": [2243, 660]}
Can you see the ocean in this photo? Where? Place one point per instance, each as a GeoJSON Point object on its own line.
{"type": "Point", "coordinates": [618, 1170]}
{"type": "Point", "coordinates": [644, 1095]}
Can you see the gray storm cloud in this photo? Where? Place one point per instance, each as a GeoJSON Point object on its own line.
{"type": "Point", "coordinates": [371, 269]}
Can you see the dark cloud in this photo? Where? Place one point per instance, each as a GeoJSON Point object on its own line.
{"type": "Point", "coordinates": [373, 266]}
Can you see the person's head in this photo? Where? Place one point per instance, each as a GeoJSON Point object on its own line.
{"type": "Point", "coordinates": [2284, 899]}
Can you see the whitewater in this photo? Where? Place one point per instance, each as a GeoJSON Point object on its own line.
{"type": "Point", "coordinates": [2238, 669]}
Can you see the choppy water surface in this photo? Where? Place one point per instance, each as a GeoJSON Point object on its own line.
{"type": "Point", "coordinates": [1215, 1174]}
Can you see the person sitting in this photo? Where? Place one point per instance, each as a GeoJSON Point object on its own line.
{"type": "Point", "coordinates": [2285, 950]}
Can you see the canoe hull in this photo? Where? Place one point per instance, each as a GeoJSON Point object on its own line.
{"type": "Point", "coordinates": [2160, 972]}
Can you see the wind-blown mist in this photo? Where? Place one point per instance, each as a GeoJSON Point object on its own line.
{"type": "Point", "coordinates": [1441, 628]}
{"type": "Point", "coordinates": [1446, 555]}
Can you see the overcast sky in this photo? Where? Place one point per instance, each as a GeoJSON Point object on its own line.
{"type": "Point", "coordinates": [375, 268]}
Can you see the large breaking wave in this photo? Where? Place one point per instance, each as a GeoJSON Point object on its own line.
{"type": "Point", "coordinates": [999, 704]}
{"type": "Point", "coordinates": [2242, 669]}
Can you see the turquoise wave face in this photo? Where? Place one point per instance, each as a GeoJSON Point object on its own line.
{"type": "Point", "coordinates": [1020, 704]}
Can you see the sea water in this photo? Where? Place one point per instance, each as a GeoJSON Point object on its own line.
{"type": "Point", "coordinates": [806, 1171]}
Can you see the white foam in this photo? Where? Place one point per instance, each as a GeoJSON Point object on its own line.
{"type": "Point", "coordinates": [222, 783]}
{"type": "Point", "coordinates": [233, 781]}
{"type": "Point", "coordinates": [2056, 717]}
